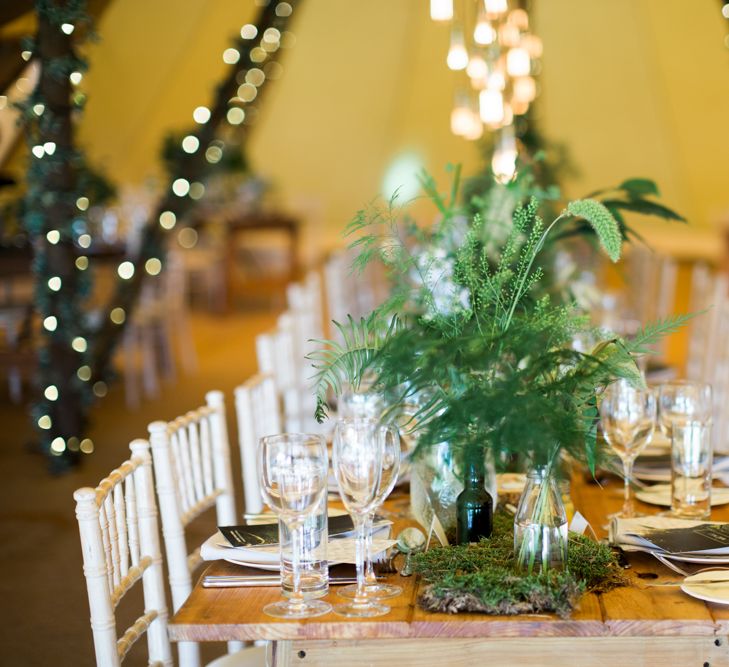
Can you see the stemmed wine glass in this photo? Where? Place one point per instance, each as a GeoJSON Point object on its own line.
{"type": "Point", "coordinates": [293, 468]}
{"type": "Point", "coordinates": [357, 454]}
{"type": "Point", "coordinates": [628, 418]}
{"type": "Point", "coordinates": [390, 465]}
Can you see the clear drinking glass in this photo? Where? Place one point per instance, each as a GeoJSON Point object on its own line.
{"type": "Point", "coordinates": [683, 401]}
{"type": "Point", "coordinates": [685, 409]}
{"type": "Point", "coordinates": [357, 456]}
{"type": "Point", "coordinates": [627, 418]}
{"type": "Point", "coordinates": [691, 459]}
{"type": "Point", "coordinates": [390, 465]}
{"type": "Point", "coordinates": [293, 468]}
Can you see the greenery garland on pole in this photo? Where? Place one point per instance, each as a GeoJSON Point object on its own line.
{"type": "Point", "coordinates": [54, 222]}
{"type": "Point", "coordinates": [75, 357]}
{"type": "Point", "coordinates": [258, 48]}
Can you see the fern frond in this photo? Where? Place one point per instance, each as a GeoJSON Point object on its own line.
{"type": "Point", "coordinates": [337, 364]}
{"type": "Point", "coordinates": [602, 221]}
{"type": "Point", "coordinates": [653, 332]}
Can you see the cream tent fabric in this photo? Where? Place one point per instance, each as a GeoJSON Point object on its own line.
{"type": "Point", "coordinates": [632, 87]}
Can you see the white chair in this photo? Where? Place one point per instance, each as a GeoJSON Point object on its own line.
{"type": "Point", "coordinates": [708, 349]}
{"type": "Point", "coordinates": [192, 474]}
{"type": "Point", "coordinates": [652, 287]}
{"type": "Point", "coordinates": [120, 543]}
{"type": "Point", "coordinates": [720, 379]}
{"type": "Point", "coordinates": [258, 414]}
{"type": "Point", "coordinates": [159, 327]}
{"type": "Point", "coordinates": [280, 353]}
{"type": "Point", "coordinates": [349, 292]}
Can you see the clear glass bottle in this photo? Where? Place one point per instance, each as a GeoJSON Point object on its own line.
{"type": "Point", "coordinates": [540, 524]}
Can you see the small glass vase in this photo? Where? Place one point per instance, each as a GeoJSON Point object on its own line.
{"type": "Point", "coordinates": [540, 524]}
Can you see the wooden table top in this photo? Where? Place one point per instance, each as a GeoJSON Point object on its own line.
{"type": "Point", "coordinates": [224, 614]}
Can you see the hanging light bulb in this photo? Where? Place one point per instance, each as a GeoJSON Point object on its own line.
{"type": "Point", "coordinates": [461, 114]}
{"type": "Point", "coordinates": [496, 7]}
{"type": "Point", "coordinates": [476, 128]}
{"type": "Point", "coordinates": [533, 45]}
{"type": "Point", "coordinates": [517, 62]}
{"type": "Point", "coordinates": [503, 162]}
{"type": "Point", "coordinates": [509, 35]}
{"type": "Point", "coordinates": [519, 18]}
{"type": "Point", "coordinates": [479, 84]}
{"type": "Point", "coordinates": [491, 106]}
{"type": "Point", "coordinates": [519, 107]}
{"type": "Point", "coordinates": [508, 115]}
{"type": "Point", "coordinates": [441, 10]}
{"type": "Point", "coordinates": [457, 54]}
{"type": "Point", "coordinates": [477, 67]}
{"type": "Point", "coordinates": [461, 121]}
{"type": "Point", "coordinates": [484, 33]}
{"type": "Point", "coordinates": [496, 80]}
{"type": "Point", "coordinates": [524, 89]}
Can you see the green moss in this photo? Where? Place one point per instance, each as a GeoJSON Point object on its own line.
{"type": "Point", "coordinates": [484, 577]}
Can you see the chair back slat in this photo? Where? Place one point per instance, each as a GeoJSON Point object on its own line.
{"type": "Point", "coordinates": [194, 435]}
{"type": "Point", "coordinates": [185, 460]}
{"type": "Point", "coordinates": [257, 413]}
{"type": "Point", "coordinates": [118, 522]}
{"type": "Point", "coordinates": [206, 456]}
{"type": "Point", "coordinates": [720, 379]}
{"type": "Point", "coordinates": [701, 289]}
{"type": "Point", "coordinates": [104, 526]}
{"type": "Point", "coordinates": [130, 497]}
{"type": "Point", "coordinates": [113, 538]}
{"type": "Point", "coordinates": [121, 529]}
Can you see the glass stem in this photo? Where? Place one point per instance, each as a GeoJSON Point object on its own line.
{"type": "Point", "coordinates": [370, 577]}
{"type": "Point", "coordinates": [627, 498]}
{"type": "Point", "coordinates": [297, 597]}
{"type": "Point", "coordinates": [360, 597]}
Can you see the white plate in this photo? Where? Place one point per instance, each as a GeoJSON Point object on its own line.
{"type": "Point", "coordinates": [511, 482]}
{"type": "Point", "coordinates": [660, 494]}
{"type": "Point", "coordinates": [270, 567]}
{"type": "Point", "coordinates": [698, 559]}
{"type": "Point", "coordinates": [714, 592]}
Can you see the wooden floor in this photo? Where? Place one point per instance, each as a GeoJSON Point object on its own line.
{"type": "Point", "coordinates": [43, 605]}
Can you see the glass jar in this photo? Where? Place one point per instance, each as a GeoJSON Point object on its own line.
{"type": "Point", "coordinates": [540, 524]}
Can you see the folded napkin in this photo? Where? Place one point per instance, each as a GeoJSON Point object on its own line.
{"type": "Point", "coordinates": [670, 536]}
{"type": "Point", "coordinates": [339, 550]}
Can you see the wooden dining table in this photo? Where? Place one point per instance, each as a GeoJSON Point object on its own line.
{"type": "Point", "coordinates": [639, 624]}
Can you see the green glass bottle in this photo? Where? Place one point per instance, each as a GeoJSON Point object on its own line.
{"type": "Point", "coordinates": [474, 507]}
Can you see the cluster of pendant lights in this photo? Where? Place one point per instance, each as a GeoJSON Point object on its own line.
{"type": "Point", "coordinates": [493, 46]}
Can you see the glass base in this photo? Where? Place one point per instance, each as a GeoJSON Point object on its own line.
{"type": "Point", "coordinates": [307, 609]}
{"type": "Point", "coordinates": [372, 591]}
{"type": "Point", "coordinates": [361, 610]}
{"type": "Point", "coordinates": [622, 515]}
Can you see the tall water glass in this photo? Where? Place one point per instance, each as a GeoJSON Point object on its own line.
{"type": "Point", "coordinates": [691, 459]}
{"type": "Point", "coordinates": [293, 468]}
{"type": "Point", "coordinates": [390, 465]}
{"type": "Point", "coordinates": [357, 456]}
{"type": "Point", "coordinates": [685, 416]}
{"type": "Point", "coordinates": [627, 418]}
{"type": "Point", "coordinates": [683, 401]}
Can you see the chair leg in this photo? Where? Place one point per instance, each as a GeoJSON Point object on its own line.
{"type": "Point", "coordinates": [189, 653]}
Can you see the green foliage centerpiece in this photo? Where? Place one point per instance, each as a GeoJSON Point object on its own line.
{"type": "Point", "coordinates": [466, 331]}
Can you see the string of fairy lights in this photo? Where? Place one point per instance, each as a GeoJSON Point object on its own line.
{"type": "Point", "coordinates": [56, 223]}
{"type": "Point", "coordinates": [253, 60]}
